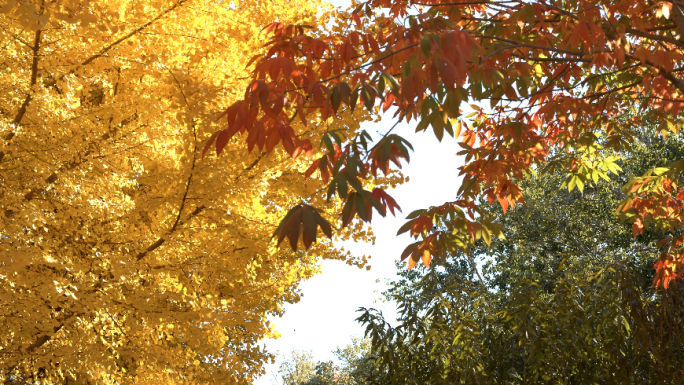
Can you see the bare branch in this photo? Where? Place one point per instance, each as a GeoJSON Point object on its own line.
{"type": "Point", "coordinates": [34, 77]}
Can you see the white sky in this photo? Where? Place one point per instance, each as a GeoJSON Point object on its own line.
{"type": "Point", "coordinates": [324, 318]}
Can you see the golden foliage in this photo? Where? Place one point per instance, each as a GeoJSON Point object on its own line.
{"type": "Point", "coordinates": [126, 257]}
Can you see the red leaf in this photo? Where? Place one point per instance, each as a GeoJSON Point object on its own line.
{"type": "Point", "coordinates": [222, 140]}
{"type": "Point", "coordinates": [323, 166]}
{"type": "Point", "coordinates": [253, 136]}
{"type": "Point", "coordinates": [285, 66]}
{"type": "Point", "coordinates": [503, 201]}
{"type": "Point", "coordinates": [374, 44]}
{"type": "Point", "coordinates": [413, 261]}
{"type": "Point", "coordinates": [319, 48]}
{"type": "Point", "coordinates": [312, 168]}
{"type": "Point", "coordinates": [448, 72]}
{"type": "Point", "coordinates": [325, 69]}
{"type": "Point", "coordinates": [273, 26]}
{"type": "Point", "coordinates": [354, 36]}
{"type": "Point", "coordinates": [210, 141]}
{"type": "Point", "coordinates": [307, 148]}
{"type": "Point", "coordinates": [287, 141]}
{"type": "Point", "coordinates": [345, 92]}
{"type": "Point", "coordinates": [318, 93]}
{"type": "Point", "coordinates": [420, 224]}
{"type": "Point", "coordinates": [409, 250]}
{"type": "Point", "coordinates": [299, 79]}
{"type": "Point", "coordinates": [261, 135]}
{"type": "Point", "coordinates": [278, 104]}
{"type": "Point", "coordinates": [272, 140]}
{"type": "Point", "coordinates": [389, 101]}
{"type": "Point", "coordinates": [357, 20]}
{"type": "Point", "coordinates": [346, 52]}
{"type": "Point", "coordinates": [386, 200]}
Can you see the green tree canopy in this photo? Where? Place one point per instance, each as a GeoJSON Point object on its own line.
{"type": "Point", "coordinates": [356, 366]}
{"type": "Point", "coordinates": [565, 297]}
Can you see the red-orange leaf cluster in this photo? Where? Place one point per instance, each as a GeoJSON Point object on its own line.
{"type": "Point", "coordinates": [557, 75]}
{"type": "Point", "coordinates": [657, 200]}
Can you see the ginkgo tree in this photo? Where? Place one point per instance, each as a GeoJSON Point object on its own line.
{"type": "Point", "coordinates": [126, 256]}
{"type": "Point", "coordinates": [552, 85]}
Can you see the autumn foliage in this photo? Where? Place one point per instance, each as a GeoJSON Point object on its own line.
{"type": "Point", "coordinates": [131, 254]}
{"type": "Point", "coordinates": [552, 85]}
{"type": "Point", "coordinates": [126, 257]}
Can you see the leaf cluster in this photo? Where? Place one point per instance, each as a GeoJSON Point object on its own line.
{"type": "Point", "coordinates": [565, 297]}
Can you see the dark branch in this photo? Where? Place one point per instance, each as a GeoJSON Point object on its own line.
{"type": "Point", "coordinates": [132, 33]}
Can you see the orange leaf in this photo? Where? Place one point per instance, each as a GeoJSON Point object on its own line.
{"type": "Point", "coordinates": [637, 227]}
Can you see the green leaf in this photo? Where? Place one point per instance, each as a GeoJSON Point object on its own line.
{"type": "Point", "coordinates": [438, 126]}
{"type": "Point", "coordinates": [426, 45]}
{"type": "Point", "coordinates": [328, 144]}
{"type": "Point", "coordinates": [348, 210]}
{"type": "Point", "coordinates": [392, 82]}
{"type": "Point", "coordinates": [362, 207]}
{"type": "Point", "coordinates": [368, 98]}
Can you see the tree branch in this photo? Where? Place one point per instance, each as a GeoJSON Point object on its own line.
{"type": "Point", "coordinates": [669, 76]}
{"type": "Point", "coordinates": [655, 37]}
{"type": "Point", "coordinates": [559, 60]}
{"type": "Point", "coordinates": [45, 338]}
{"type": "Point", "coordinates": [132, 33]}
{"type": "Point", "coordinates": [679, 18]}
{"type": "Point", "coordinates": [29, 94]}
{"type": "Point", "coordinates": [161, 240]}
{"type": "Point", "coordinates": [598, 95]}
{"type": "Point", "coordinates": [357, 68]}
{"type": "Point", "coordinates": [68, 166]}
{"type": "Point", "coordinates": [541, 47]}
{"type": "Point", "coordinates": [185, 195]}
{"type": "Point", "coordinates": [464, 3]}
{"type": "Point", "coordinates": [34, 67]}
{"type": "Point", "coordinates": [34, 77]}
